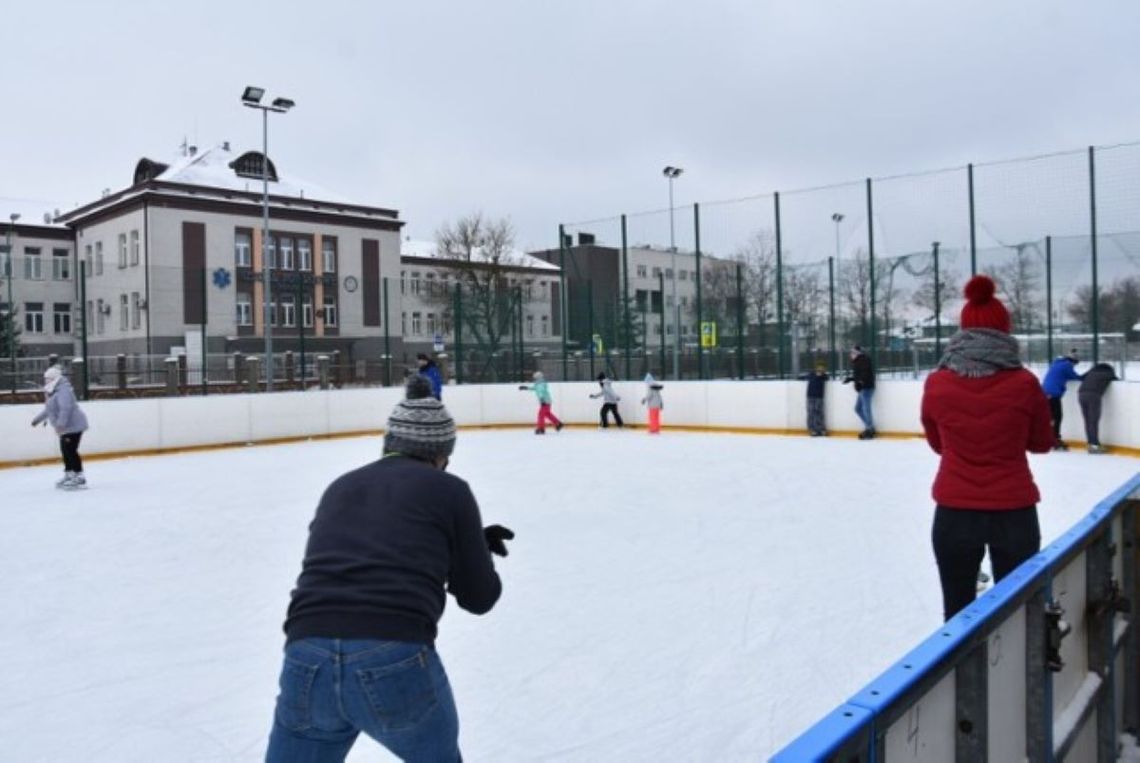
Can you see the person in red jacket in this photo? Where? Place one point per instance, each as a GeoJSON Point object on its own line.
{"type": "Point", "coordinates": [981, 412]}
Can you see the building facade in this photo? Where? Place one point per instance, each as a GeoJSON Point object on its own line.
{"type": "Point", "coordinates": [38, 281]}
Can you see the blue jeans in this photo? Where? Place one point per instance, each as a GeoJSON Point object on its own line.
{"type": "Point", "coordinates": [332, 689]}
{"type": "Point", "coordinates": [863, 407]}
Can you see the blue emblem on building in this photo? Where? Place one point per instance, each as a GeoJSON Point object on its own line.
{"type": "Point", "coordinates": [221, 278]}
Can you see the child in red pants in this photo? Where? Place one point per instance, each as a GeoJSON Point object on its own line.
{"type": "Point", "coordinates": [653, 400]}
{"type": "Point", "coordinates": [542, 392]}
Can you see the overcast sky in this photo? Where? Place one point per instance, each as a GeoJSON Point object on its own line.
{"type": "Point", "coordinates": [548, 112]}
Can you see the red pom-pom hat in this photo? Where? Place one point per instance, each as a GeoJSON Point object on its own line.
{"type": "Point", "coordinates": [982, 309]}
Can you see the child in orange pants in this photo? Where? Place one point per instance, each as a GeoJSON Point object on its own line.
{"type": "Point", "coordinates": [653, 400]}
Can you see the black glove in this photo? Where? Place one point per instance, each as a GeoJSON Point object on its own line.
{"type": "Point", "coordinates": [523, 386]}
{"type": "Point", "coordinates": [495, 535]}
{"type": "Point", "coordinates": [848, 380]}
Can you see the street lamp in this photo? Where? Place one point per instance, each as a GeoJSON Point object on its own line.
{"type": "Point", "coordinates": [836, 218]}
{"type": "Point", "coordinates": [671, 174]}
{"type": "Point", "coordinates": [251, 97]}
{"type": "Point", "coordinates": [9, 317]}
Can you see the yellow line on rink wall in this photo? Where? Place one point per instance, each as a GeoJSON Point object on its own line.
{"type": "Point", "coordinates": [1112, 449]}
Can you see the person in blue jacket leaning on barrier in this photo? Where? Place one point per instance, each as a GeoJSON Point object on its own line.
{"type": "Point", "coordinates": [1061, 372]}
{"type": "Point", "coordinates": [428, 369]}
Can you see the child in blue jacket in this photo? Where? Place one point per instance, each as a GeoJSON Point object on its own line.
{"type": "Point", "coordinates": [1061, 372]}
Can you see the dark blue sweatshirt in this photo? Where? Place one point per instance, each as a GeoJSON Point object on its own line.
{"type": "Point", "coordinates": [387, 540]}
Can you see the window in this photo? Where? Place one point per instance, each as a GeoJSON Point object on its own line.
{"type": "Point", "coordinates": [288, 310]}
{"type": "Point", "coordinates": [417, 324]}
{"type": "Point", "coordinates": [242, 249]}
{"type": "Point", "coordinates": [34, 317]}
{"type": "Point", "coordinates": [60, 265]}
{"type": "Point", "coordinates": [530, 325]}
{"type": "Point", "coordinates": [328, 255]}
{"type": "Point", "coordinates": [89, 323]}
{"type": "Point", "coordinates": [431, 324]}
{"type": "Point", "coordinates": [124, 313]}
{"type": "Point", "coordinates": [693, 275]}
{"type": "Point", "coordinates": [684, 301]}
{"type": "Point", "coordinates": [528, 289]}
{"type": "Point", "coordinates": [244, 310]}
{"type": "Point", "coordinates": [5, 261]}
{"type": "Point", "coordinates": [286, 254]}
{"type": "Point", "coordinates": [415, 285]}
{"type": "Point", "coordinates": [136, 311]}
{"type": "Point", "coordinates": [669, 329]}
{"type": "Point", "coordinates": [304, 255]}
{"type": "Point", "coordinates": [668, 274]}
{"type": "Point", "coordinates": [87, 261]}
{"type": "Point", "coordinates": [669, 301]}
{"type": "Point", "coordinates": [683, 274]}
{"type": "Point", "coordinates": [330, 310]}
{"type": "Point", "coordinates": [122, 250]}
{"type": "Point", "coordinates": [307, 311]}
{"type": "Point", "coordinates": [656, 272]}
{"type": "Point", "coordinates": [134, 247]}
{"type": "Point", "coordinates": [404, 324]}
{"type": "Point", "coordinates": [271, 253]}
{"type": "Point", "coordinates": [545, 326]}
{"type": "Point", "coordinates": [642, 271]}
{"type": "Point", "coordinates": [403, 282]}
{"type": "Point", "coordinates": [61, 317]}
{"type": "Point", "coordinates": [33, 263]}
{"type": "Point", "coordinates": [429, 283]}
{"type": "Point", "coordinates": [98, 258]}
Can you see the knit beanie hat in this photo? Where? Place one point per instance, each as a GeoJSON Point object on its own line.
{"type": "Point", "coordinates": [420, 426]}
{"type": "Point", "coordinates": [982, 309]}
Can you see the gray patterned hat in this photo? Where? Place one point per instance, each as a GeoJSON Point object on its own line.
{"type": "Point", "coordinates": [420, 426]}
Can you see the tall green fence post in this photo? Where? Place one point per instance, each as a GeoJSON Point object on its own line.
{"type": "Point", "coordinates": [522, 337]}
{"type": "Point", "coordinates": [741, 327]}
{"type": "Point", "coordinates": [458, 319]}
{"type": "Point", "coordinates": [661, 285]}
{"type": "Point", "coordinates": [937, 306]}
{"type": "Point", "coordinates": [301, 323]}
{"type": "Point", "coordinates": [1049, 298]}
{"type": "Point", "coordinates": [387, 338]}
{"type": "Point", "coordinates": [563, 307]}
{"type": "Point", "coordinates": [83, 335]}
{"type": "Point", "coordinates": [627, 331]}
{"type": "Point", "coordinates": [204, 338]}
{"type": "Point", "coordinates": [1092, 241]}
{"type": "Point", "coordinates": [779, 293]}
{"type": "Point", "coordinates": [973, 235]}
{"type": "Point", "coordinates": [590, 321]}
{"type": "Point", "coordinates": [871, 265]}
{"type": "Point", "coordinates": [831, 314]}
{"type": "Point", "coordinates": [700, 336]}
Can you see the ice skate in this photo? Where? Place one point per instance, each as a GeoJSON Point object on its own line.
{"type": "Point", "coordinates": [558, 427]}
{"type": "Point", "coordinates": [76, 482]}
{"type": "Point", "coordinates": [67, 477]}
{"type": "Point", "coordinates": [1097, 450]}
{"type": "Point", "coordinates": [540, 431]}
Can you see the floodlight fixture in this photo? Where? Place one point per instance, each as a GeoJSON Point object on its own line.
{"type": "Point", "coordinates": [252, 95]}
{"type": "Point", "coordinates": [672, 172]}
{"type": "Point", "coordinates": [283, 104]}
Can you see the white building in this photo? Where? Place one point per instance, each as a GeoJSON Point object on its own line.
{"type": "Point", "coordinates": [37, 275]}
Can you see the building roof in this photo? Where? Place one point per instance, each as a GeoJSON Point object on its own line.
{"type": "Point", "coordinates": [515, 258]}
{"type": "Point", "coordinates": [222, 173]}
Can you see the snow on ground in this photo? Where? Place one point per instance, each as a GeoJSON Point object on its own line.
{"type": "Point", "coordinates": [687, 597]}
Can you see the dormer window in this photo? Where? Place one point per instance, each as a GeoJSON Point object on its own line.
{"type": "Point", "coordinates": [148, 169]}
{"type": "Point", "coordinates": [249, 165]}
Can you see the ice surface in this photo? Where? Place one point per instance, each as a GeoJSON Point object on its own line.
{"type": "Point", "coordinates": [686, 597]}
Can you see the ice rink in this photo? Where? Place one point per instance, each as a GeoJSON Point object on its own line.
{"type": "Point", "coordinates": [690, 597]}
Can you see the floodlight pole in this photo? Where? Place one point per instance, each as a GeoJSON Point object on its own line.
{"type": "Point", "coordinates": [10, 317]}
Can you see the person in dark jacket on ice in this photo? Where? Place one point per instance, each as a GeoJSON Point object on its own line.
{"type": "Point", "coordinates": [863, 374]}
{"type": "Point", "coordinates": [1089, 394]}
{"type": "Point", "coordinates": [981, 412]}
{"type": "Point", "coordinates": [388, 542]}
{"type": "Point", "coordinates": [427, 368]}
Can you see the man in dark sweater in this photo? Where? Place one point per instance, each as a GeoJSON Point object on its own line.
{"type": "Point", "coordinates": [388, 541]}
{"type": "Point", "coordinates": [1093, 386]}
{"type": "Point", "coordinates": [863, 374]}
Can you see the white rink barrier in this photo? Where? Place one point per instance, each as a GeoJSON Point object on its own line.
{"type": "Point", "coordinates": [160, 424]}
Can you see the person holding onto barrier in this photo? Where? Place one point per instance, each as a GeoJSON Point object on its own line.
{"type": "Point", "coordinates": [1061, 372]}
{"type": "Point", "coordinates": [542, 391]}
{"type": "Point", "coordinates": [816, 384]}
{"type": "Point", "coordinates": [981, 412]}
{"type": "Point", "coordinates": [389, 541]}
{"type": "Point", "coordinates": [69, 422]}
{"type": "Point", "coordinates": [863, 375]}
{"type": "Point", "coordinates": [1090, 393]}
{"type": "Point", "coordinates": [610, 399]}
{"type": "Point", "coordinates": [654, 402]}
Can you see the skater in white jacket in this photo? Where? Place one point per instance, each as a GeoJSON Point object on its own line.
{"type": "Point", "coordinates": [610, 399]}
{"type": "Point", "coordinates": [68, 421]}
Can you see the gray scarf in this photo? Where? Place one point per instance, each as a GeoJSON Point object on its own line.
{"type": "Point", "coordinates": [980, 352]}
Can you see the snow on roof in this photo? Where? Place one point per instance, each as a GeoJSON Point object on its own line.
{"type": "Point", "coordinates": [211, 168]}
{"type": "Point", "coordinates": [31, 212]}
{"type": "Point", "coordinates": [516, 257]}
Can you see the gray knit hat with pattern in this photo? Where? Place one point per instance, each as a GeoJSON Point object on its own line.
{"type": "Point", "coordinates": [420, 426]}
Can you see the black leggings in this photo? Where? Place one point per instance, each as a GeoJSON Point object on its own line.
{"type": "Point", "coordinates": [960, 539]}
{"type": "Point", "coordinates": [69, 447]}
{"type": "Point", "coordinates": [607, 409]}
{"type": "Point", "coordinates": [1056, 412]}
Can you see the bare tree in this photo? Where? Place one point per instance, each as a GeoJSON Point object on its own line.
{"type": "Point", "coordinates": [758, 255]}
{"type": "Point", "coordinates": [1019, 285]}
{"type": "Point", "coordinates": [719, 295]}
{"type": "Point", "coordinates": [949, 286]}
{"type": "Point", "coordinates": [1118, 309]}
{"type": "Point", "coordinates": [481, 255]}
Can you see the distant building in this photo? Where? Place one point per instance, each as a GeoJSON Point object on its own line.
{"type": "Point", "coordinates": [183, 243]}
{"type": "Point", "coordinates": [37, 267]}
{"type": "Point", "coordinates": [427, 293]}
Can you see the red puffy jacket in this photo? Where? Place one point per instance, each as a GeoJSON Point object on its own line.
{"type": "Point", "coordinates": [982, 427]}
